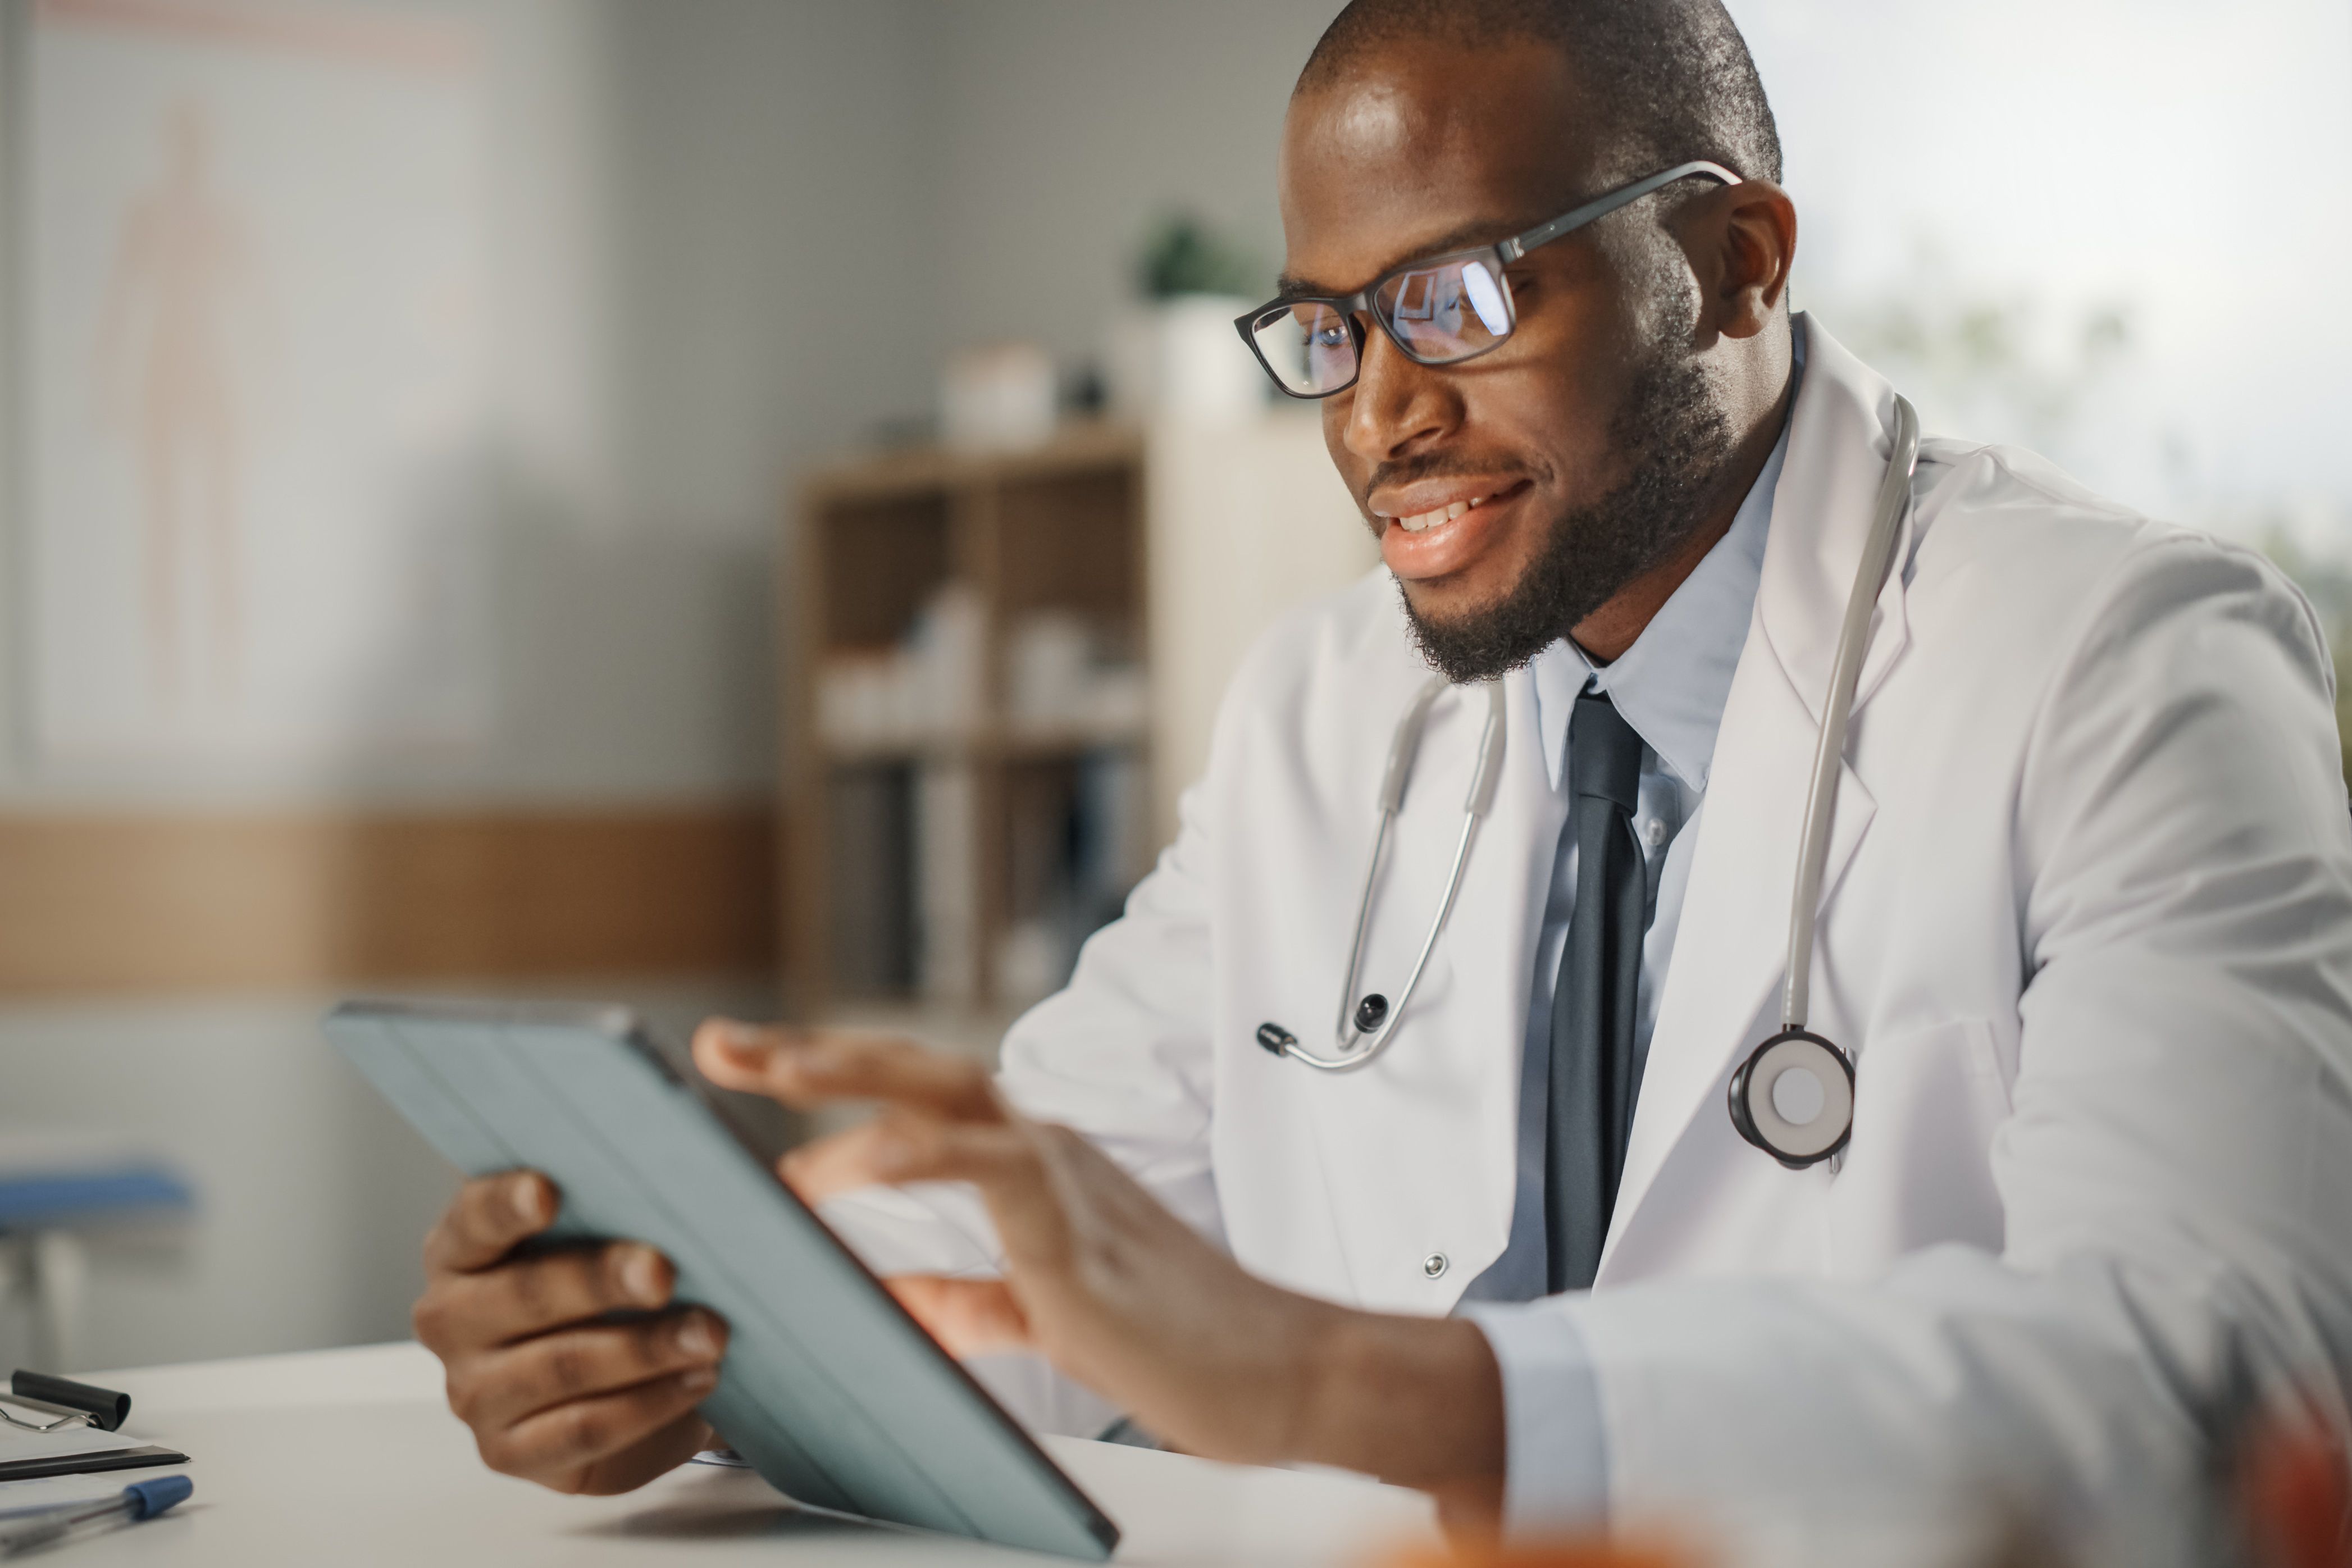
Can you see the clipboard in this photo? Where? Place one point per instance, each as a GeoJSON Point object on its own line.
{"type": "Point", "coordinates": [70, 1429]}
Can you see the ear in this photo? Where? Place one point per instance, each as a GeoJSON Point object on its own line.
{"type": "Point", "coordinates": [1744, 239]}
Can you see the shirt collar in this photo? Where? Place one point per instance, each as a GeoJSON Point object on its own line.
{"type": "Point", "coordinates": [1672, 683]}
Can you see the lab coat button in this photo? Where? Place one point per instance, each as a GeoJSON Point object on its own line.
{"type": "Point", "coordinates": [1433, 1265]}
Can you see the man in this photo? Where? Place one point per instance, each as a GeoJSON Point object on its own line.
{"type": "Point", "coordinates": [2086, 924]}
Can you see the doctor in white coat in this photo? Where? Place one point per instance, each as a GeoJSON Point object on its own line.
{"type": "Point", "coordinates": [2084, 926]}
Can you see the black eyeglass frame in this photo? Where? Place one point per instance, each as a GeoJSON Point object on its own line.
{"type": "Point", "coordinates": [1353, 308]}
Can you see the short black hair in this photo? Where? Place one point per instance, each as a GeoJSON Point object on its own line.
{"type": "Point", "coordinates": [1672, 79]}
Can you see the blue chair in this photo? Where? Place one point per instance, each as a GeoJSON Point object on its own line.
{"type": "Point", "coordinates": [54, 1190]}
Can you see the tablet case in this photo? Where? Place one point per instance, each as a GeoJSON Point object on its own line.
{"type": "Point", "coordinates": [829, 1389]}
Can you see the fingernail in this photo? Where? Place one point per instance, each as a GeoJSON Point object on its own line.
{"type": "Point", "coordinates": [740, 1038]}
{"type": "Point", "coordinates": [694, 1339]}
{"type": "Point", "coordinates": [702, 1380]}
{"type": "Point", "coordinates": [641, 1275]}
{"type": "Point", "coordinates": [523, 1197]}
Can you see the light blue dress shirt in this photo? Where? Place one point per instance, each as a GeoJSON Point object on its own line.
{"type": "Point", "coordinates": [1671, 687]}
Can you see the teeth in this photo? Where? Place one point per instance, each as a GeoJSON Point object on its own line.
{"type": "Point", "coordinates": [1435, 515]}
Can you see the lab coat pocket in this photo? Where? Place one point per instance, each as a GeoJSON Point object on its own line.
{"type": "Point", "coordinates": [1918, 1171]}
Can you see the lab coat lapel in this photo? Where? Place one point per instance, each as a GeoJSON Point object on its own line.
{"type": "Point", "coordinates": [1731, 951]}
{"type": "Point", "coordinates": [1400, 1194]}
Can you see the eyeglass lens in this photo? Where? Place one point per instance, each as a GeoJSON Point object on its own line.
{"type": "Point", "coordinates": [1451, 311]}
{"type": "Point", "coordinates": [1310, 348]}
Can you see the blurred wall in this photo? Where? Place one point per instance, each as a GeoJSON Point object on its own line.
{"type": "Point", "coordinates": [1074, 126]}
{"type": "Point", "coordinates": [672, 188]}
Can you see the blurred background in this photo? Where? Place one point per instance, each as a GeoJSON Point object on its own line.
{"type": "Point", "coordinates": [749, 505]}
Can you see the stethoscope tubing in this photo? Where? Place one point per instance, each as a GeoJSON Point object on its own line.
{"type": "Point", "coordinates": [1358, 1049]}
{"type": "Point", "coordinates": [1837, 707]}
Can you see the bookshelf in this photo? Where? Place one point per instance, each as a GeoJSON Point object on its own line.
{"type": "Point", "coordinates": [967, 773]}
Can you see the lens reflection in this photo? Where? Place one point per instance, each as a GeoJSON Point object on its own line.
{"type": "Point", "coordinates": [1448, 311]}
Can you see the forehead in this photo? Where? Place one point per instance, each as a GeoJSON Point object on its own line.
{"type": "Point", "coordinates": [1423, 144]}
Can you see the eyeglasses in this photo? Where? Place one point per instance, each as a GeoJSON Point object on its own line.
{"type": "Point", "coordinates": [1444, 311]}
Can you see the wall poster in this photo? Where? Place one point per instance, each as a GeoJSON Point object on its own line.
{"type": "Point", "coordinates": [256, 498]}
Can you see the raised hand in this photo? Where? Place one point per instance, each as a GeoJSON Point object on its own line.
{"type": "Point", "coordinates": [1117, 1291]}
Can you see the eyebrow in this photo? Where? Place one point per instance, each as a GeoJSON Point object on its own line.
{"type": "Point", "coordinates": [1481, 231]}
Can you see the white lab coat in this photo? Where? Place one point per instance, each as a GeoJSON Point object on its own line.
{"type": "Point", "coordinates": [2086, 926]}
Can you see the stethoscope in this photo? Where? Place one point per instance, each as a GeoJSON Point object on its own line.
{"type": "Point", "coordinates": [1793, 1097]}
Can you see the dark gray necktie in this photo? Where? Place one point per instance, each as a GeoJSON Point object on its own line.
{"type": "Point", "coordinates": [1594, 1072]}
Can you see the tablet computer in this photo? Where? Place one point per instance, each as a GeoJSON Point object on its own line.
{"type": "Point", "coordinates": [828, 1389]}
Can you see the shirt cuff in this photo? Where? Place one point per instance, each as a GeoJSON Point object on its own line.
{"type": "Point", "coordinates": [1556, 1453]}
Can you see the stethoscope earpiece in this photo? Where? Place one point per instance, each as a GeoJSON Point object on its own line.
{"type": "Point", "coordinates": [1275, 1039]}
{"type": "Point", "coordinates": [1794, 1099]}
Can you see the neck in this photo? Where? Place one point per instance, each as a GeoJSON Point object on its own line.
{"type": "Point", "coordinates": [1609, 631]}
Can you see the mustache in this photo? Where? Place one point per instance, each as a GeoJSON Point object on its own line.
{"type": "Point", "coordinates": [1445, 466]}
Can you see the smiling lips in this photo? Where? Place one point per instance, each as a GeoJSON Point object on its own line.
{"type": "Point", "coordinates": [1433, 529]}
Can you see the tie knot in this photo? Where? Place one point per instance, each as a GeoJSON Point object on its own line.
{"type": "Point", "coordinates": [1605, 754]}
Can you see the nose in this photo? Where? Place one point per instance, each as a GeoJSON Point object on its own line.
{"type": "Point", "coordinates": [1396, 406]}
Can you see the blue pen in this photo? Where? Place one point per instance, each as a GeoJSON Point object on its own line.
{"type": "Point", "coordinates": [143, 1500]}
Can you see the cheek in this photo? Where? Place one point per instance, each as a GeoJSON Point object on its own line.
{"type": "Point", "coordinates": [1555, 406]}
{"type": "Point", "coordinates": [1568, 366]}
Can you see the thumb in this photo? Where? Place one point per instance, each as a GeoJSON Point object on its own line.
{"type": "Point", "coordinates": [968, 1317]}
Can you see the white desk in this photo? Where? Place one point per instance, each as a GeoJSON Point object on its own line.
{"type": "Point", "coordinates": [349, 1456]}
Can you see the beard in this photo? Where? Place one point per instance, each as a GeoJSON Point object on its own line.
{"type": "Point", "coordinates": [1679, 445]}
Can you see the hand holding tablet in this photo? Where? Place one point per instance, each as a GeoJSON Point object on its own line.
{"type": "Point", "coordinates": [555, 1390]}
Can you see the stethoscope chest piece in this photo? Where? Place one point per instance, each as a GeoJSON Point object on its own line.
{"type": "Point", "coordinates": [1794, 1099]}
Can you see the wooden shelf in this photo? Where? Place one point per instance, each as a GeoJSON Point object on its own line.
{"type": "Point", "coordinates": [1056, 531]}
{"type": "Point", "coordinates": [924, 471]}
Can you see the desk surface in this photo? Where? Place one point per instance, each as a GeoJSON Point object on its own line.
{"type": "Point", "coordinates": [349, 1456]}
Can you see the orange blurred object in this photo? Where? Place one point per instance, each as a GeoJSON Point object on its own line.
{"type": "Point", "coordinates": [2295, 1493]}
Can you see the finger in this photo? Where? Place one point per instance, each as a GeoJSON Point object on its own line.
{"type": "Point", "coordinates": [830, 1166]}
{"type": "Point", "coordinates": [487, 1217]}
{"type": "Point", "coordinates": [810, 1066]}
{"type": "Point", "coordinates": [461, 1312]}
{"type": "Point", "coordinates": [496, 1390]}
{"type": "Point", "coordinates": [901, 1146]}
{"type": "Point", "coordinates": [565, 1445]}
{"type": "Point", "coordinates": [968, 1317]}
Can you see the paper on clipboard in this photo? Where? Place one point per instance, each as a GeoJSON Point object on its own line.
{"type": "Point", "coordinates": [52, 1454]}
{"type": "Point", "coordinates": [16, 1444]}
